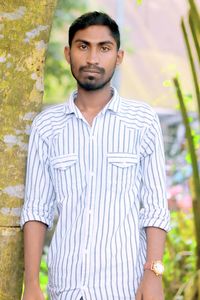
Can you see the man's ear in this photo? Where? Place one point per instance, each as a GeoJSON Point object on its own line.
{"type": "Point", "coordinates": [67, 54]}
{"type": "Point", "coordinates": [120, 55]}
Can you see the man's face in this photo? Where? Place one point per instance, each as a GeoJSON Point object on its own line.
{"type": "Point", "coordinates": [93, 57]}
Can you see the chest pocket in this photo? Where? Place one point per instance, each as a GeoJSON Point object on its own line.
{"type": "Point", "coordinates": [63, 162]}
{"type": "Point", "coordinates": [122, 170]}
{"type": "Point", "coordinates": [63, 170]}
{"type": "Point", "coordinates": [122, 160]}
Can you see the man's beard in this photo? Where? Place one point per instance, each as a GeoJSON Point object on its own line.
{"type": "Point", "coordinates": [90, 84]}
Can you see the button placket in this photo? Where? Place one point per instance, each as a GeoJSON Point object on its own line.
{"type": "Point", "coordinates": [89, 204]}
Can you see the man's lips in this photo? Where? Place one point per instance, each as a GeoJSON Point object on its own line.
{"type": "Point", "coordinates": [92, 70]}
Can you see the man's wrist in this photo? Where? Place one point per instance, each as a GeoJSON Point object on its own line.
{"type": "Point", "coordinates": [31, 282]}
{"type": "Point", "coordinates": [155, 266]}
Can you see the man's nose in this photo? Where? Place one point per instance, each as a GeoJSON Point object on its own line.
{"type": "Point", "coordinates": [92, 57]}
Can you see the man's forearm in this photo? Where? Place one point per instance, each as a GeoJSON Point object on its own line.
{"type": "Point", "coordinates": [34, 235]}
{"type": "Point", "coordinates": [155, 243]}
{"type": "Point", "coordinates": [151, 285]}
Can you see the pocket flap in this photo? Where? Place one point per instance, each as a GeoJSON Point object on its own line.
{"type": "Point", "coordinates": [64, 161]}
{"type": "Point", "coordinates": [122, 160]}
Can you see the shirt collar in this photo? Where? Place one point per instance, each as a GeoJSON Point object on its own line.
{"type": "Point", "coordinates": [70, 106]}
{"type": "Point", "coordinates": [114, 102]}
{"type": "Point", "coordinates": [112, 105]}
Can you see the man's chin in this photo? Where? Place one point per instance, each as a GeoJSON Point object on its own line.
{"type": "Point", "coordinates": [91, 86]}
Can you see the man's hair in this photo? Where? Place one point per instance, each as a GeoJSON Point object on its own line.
{"type": "Point", "coordinates": [94, 18]}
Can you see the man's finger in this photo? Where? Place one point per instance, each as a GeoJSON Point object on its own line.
{"type": "Point", "coordinates": [138, 295]}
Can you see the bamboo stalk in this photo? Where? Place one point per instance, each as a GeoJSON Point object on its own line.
{"type": "Point", "coordinates": [194, 35]}
{"type": "Point", "coordinates": [196, 178]}
{"type": "Point", "coordinates": [195, 13]}
{"type": "Point", "coordinates": [194, 73]}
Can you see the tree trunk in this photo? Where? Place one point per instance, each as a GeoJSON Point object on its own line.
{"type": "Point", "coordinates": [24, 33]}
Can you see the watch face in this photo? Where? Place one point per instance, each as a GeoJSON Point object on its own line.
{"type": "Point", "coordinates": [158, 268]}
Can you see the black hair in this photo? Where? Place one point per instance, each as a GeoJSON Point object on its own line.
{"type": "Point", "coordinates": [94, 18]}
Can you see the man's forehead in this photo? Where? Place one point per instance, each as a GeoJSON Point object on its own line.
{"type": "Point", "coordinates": [94, 34]}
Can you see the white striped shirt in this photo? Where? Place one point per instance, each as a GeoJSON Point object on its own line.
{"type": "Point", "coordinates": [108, 183]}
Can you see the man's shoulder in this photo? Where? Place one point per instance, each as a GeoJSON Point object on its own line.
{"type": "Point", "coordinates": [50, 114]}
{"type": "Point", "coordinates": [137, 110]}
{"type": "Point", "coordinates": [50, 118]}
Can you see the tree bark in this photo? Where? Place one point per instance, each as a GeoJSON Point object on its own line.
{"type": "Point", "coordinates": [24, 33]}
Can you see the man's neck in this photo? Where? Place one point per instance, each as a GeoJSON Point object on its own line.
{"type": "Point", "coordinates": [90, 103]}
{"type": "Point", "coordinates": [93, 100]}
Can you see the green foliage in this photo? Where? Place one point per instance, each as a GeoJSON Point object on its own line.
{"type": "Point", "coordinates": [191, 36]}
{"type": "Point", "coordinates": [67, 11]}
{"type": "Point", "coordinates": [44, 276]}
{"type": "Point", "coordinates": [58, 81]}
{"type": "Point", "coordinates": [179, 258]}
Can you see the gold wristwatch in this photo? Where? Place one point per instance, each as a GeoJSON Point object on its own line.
{"type": "Point", "coordinates": [156, 266]}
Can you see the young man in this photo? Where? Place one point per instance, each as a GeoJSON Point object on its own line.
{"type": "Point", "coordinates": [100, 159]}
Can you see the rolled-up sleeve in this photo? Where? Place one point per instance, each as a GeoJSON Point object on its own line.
{"type": "Point", "coordinates": [154, 206]}
{"type": "Point", "coordinates": [39, 192]}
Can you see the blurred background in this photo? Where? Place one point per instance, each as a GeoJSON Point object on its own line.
{"type": "Point", "coordinates": [155, 53]}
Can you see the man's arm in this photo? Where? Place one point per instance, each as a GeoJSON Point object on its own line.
{"type": "Point", "coordinates": [151, 285]}
{"type": "Point", "coordinates": [155, 243]}
{"type": "Point", "coordinates": [34, 235]}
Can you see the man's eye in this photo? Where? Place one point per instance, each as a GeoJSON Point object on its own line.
{"type": "Point", "coordinates": [105, 48]}
{"type": "Point", "coordinates": [83, 47]}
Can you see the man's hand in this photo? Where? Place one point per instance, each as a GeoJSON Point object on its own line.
{"type": "Point", "coordinates": [150, 287]}
{"type": "Point", "coordinates": [33, 293]}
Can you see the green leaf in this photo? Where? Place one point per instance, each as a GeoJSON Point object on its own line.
{"type": "Point", "coordinates": [167, 83]}
{"type": "Point", "coordinates": [188, 158]}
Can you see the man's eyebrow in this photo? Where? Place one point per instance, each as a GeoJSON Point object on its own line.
{"type": "Point", "coordinates": [88, 43]}
{"type": "Point", "coordinates": [106, 42]}
{"type": "Point", "coordinates": [81, 41]}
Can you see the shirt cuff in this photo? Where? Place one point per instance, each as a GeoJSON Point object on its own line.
{"type": "Point", "coordinates": [35, 215]}
{"type": "Point", "coordinates": [158, 217]}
